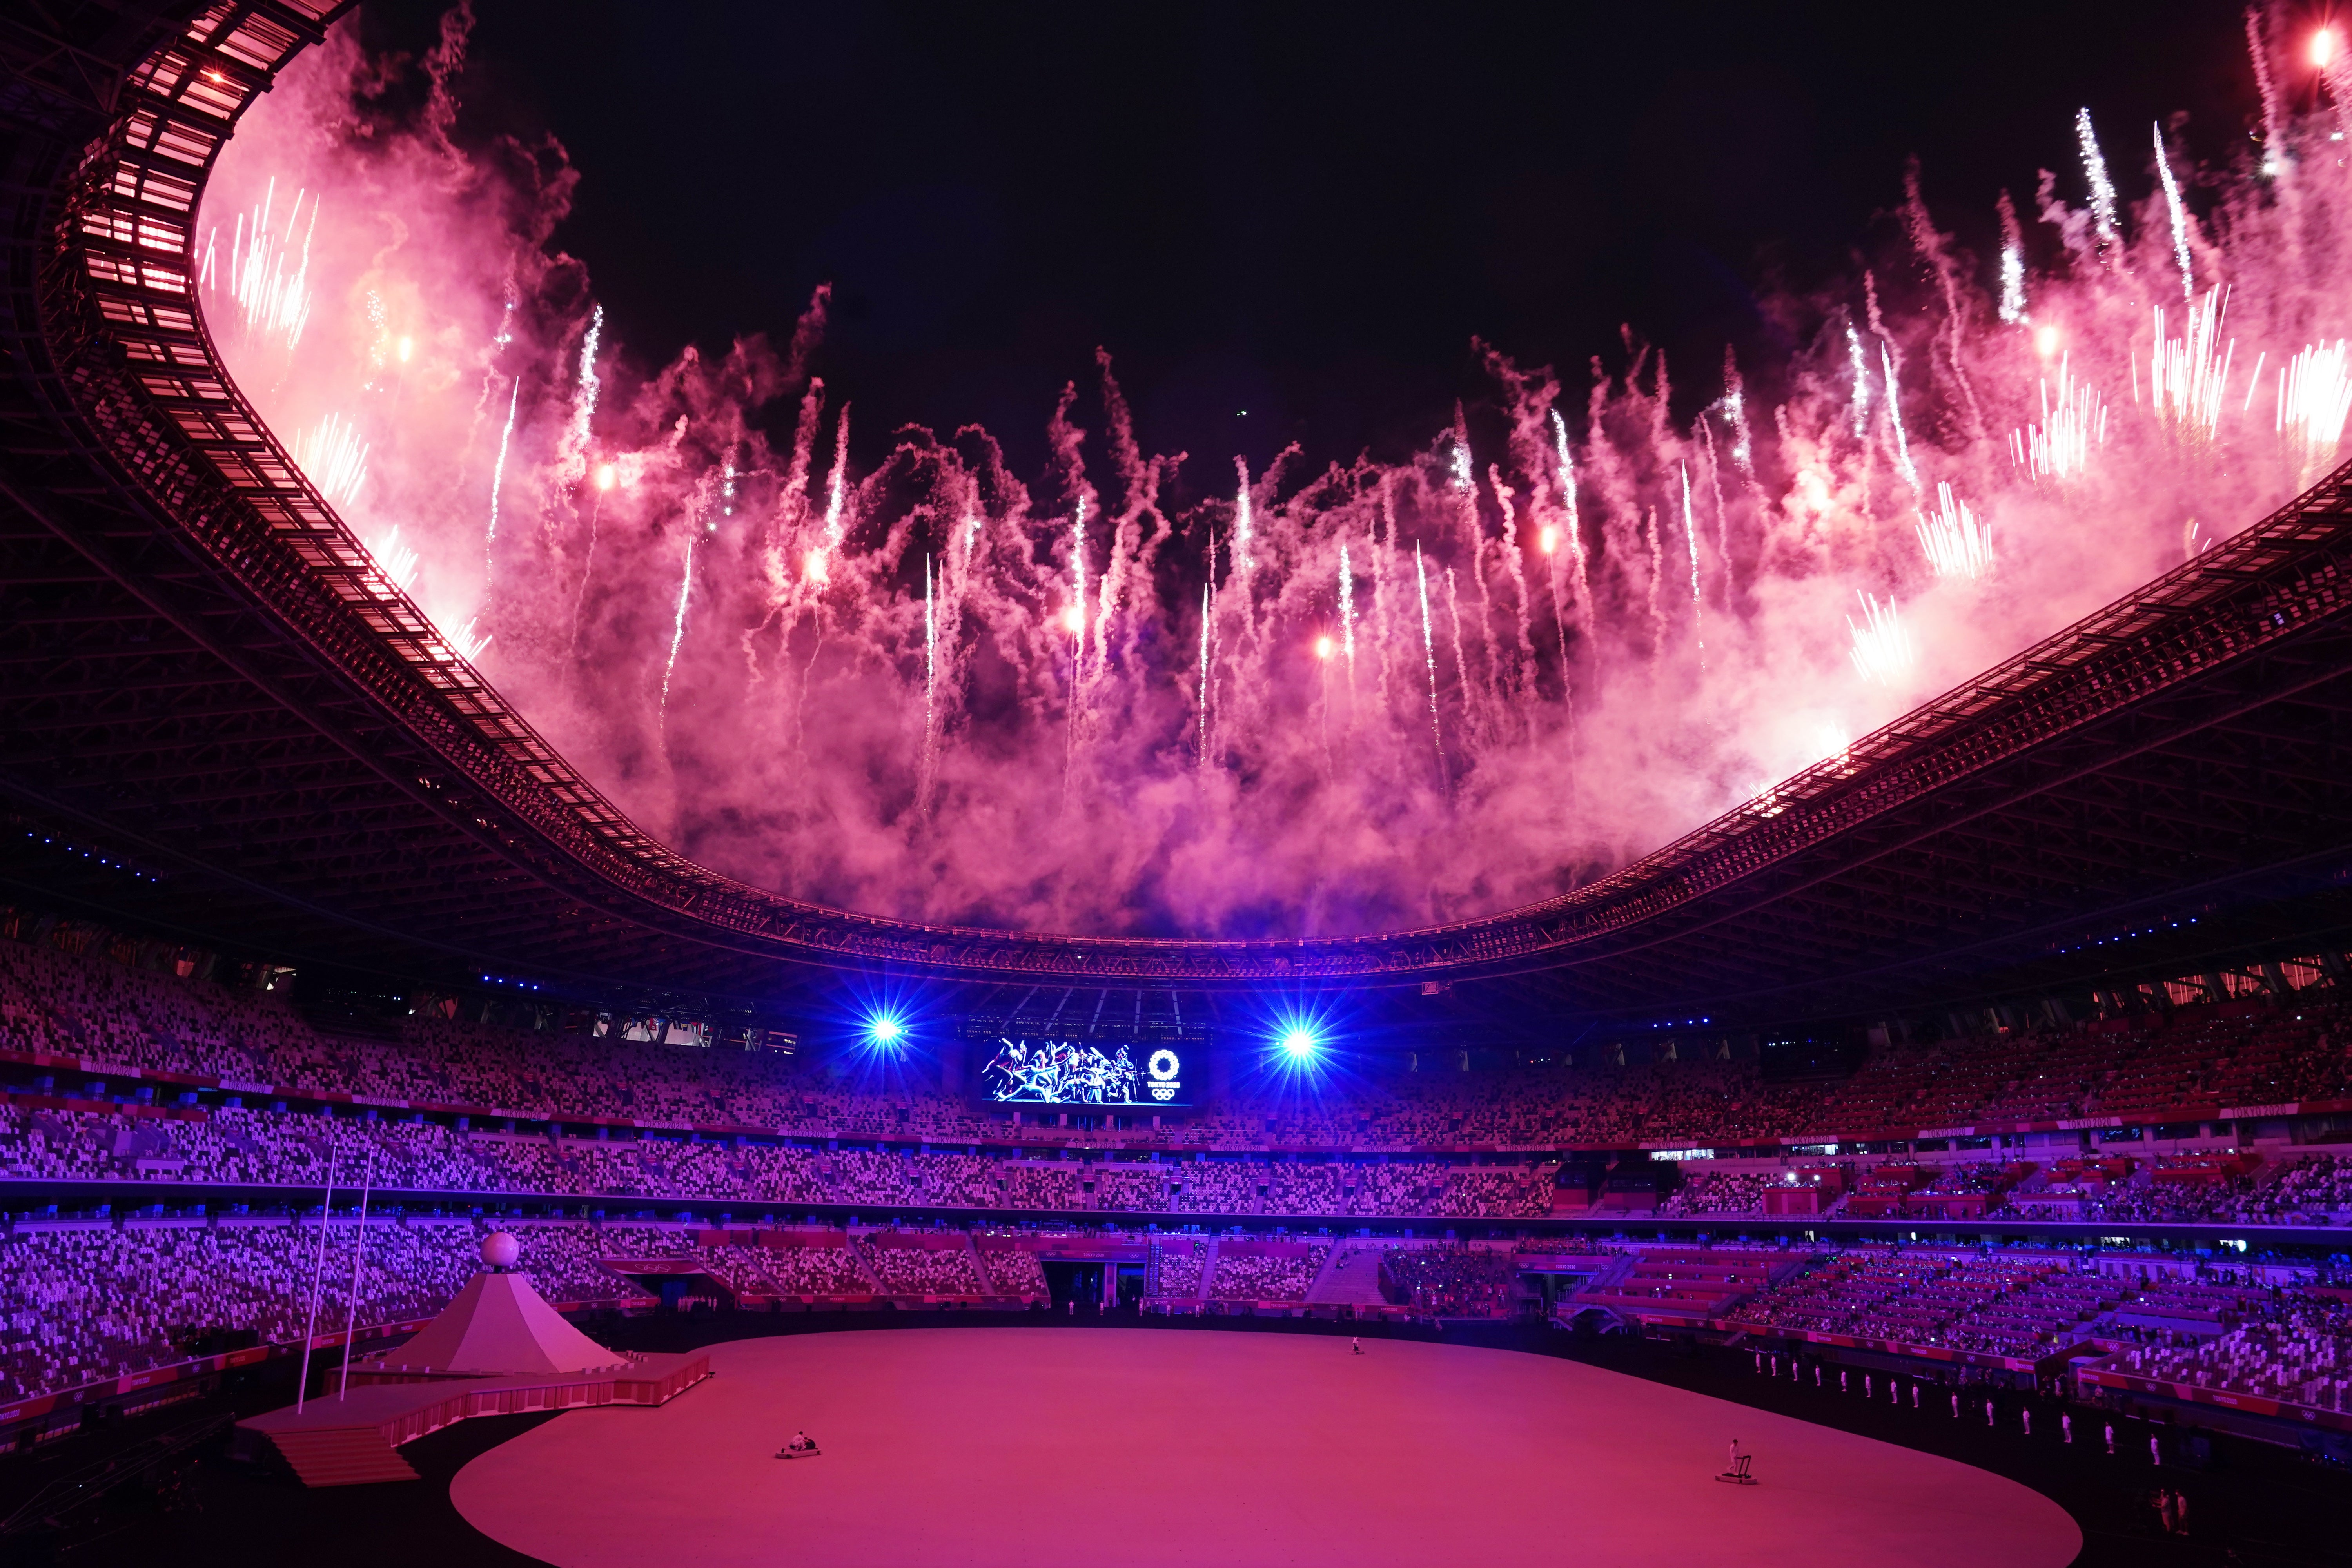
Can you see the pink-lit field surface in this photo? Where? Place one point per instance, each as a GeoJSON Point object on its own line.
{"type": "Point", "coordinates": [1007, 1446]}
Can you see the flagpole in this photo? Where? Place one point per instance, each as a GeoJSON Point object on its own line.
{"type": "Point", "coordinates": [318, 1278]}
{"type": "Point", "coordinates": [359, 1248]}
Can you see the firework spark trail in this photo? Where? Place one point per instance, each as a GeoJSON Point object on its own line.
{"type": "Point", "coordinates": [1861, 383]}
{"type": "Point", "coordinates": [1722, 512]}
{"type": "Point", "coordinates": [1955, 542]}
{"type": "Point", "coordinates": [1735, 414]}
{"type": "Point", "coordinates": [1208, 615]}
{"type": "Point", "coordinates": [1245, 526]}
{"type": "Point", "coordinates": [396, 558]}
{"type": "Point", "coordinates": [1347, 625]}
{"type": "Point", "coordinates": [1690, 535]}
{"type": "Point", "coordinates": [1565, 473]}
{"type": "Point", "coordinates": [2315, 396]}
{"type": "Point", "coordinates": [587, 570]}
{"type": "Point", "coordinates": [1579, 585]}
{"type": "Point", "coordinates": [1474, 725]}
{"type": "Point", "coordinates": [1933, 248]}
{"type": "Point", "coordinates": [333, 459]}
{"type": "Point", "coordinates": [1429, 656]}
{"type": "Point", "coordinates": [1385, 574]}
{"type": "Point", "coordinates": [269, 299]}
{"type": "Point", "coordinates": [677, 630]}
{"type": "Point", "coordinates": [2266, 87]}
{"type": "Point", "coordinates": [1078, 610]}
{"type": "Point", "coordinates": [1655, 557]}
{"type": "Point", "coordinates": [572, 463]}
{"type": "Point", "coordinates": [2179, 219]}
{"type": "Point", "coordinates": [926, 781]}
{"type": "Point", "coordinates": [1895, 419]}
{"type": "Point", "coordinates": [2187, 374]}
{"type": "Point", "coordinates": [2059, 448]}
{"type": "Point", "coordinates": [2013, 266]}
{"type": "Point", "coordinates": [1883, 651]}
{"type": "Point", "coordinates": [819, 564]}
{"type": "Point", "coordinates": [497, 480]}
{"type": "Point", "coordinates": [1514, 551]}
{"type": "Point", "coordinates": [2102, 190]}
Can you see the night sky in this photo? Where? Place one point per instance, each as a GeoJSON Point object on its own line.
{"type": "Point", "coordinates": [1295, 212]}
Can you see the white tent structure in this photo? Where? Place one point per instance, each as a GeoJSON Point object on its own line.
{"type": "Point", "coordinates": [499, 1326]}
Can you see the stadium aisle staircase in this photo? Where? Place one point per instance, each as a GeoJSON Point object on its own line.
{"type": "Point", "coordinates": [988, 1285]}
{"type": "Point", "coordinates": [1350, 1276]}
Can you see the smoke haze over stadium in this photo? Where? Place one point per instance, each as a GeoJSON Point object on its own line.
{"type": "Point", "coordinates": [1392, 485]}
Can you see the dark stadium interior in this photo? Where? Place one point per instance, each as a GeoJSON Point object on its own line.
{"type": "Point", "coordinates": [1981, 1090]}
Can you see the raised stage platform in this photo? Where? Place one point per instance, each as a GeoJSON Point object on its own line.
{"type": "Point", "coordinates": [344, 1441]}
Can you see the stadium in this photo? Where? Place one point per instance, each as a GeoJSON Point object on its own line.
{"type": "Point", "coordinates": [670, 984]}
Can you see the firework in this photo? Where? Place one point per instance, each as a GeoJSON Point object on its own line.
{"type": "Point", "coordinates": [1955, 542]}
{"type": "Point", "coordinates": [677, 627]}
{"type": "Point", "coordinates": [1894, 418]}
{"type": "Point", "coordinates": [1690, 536]}
{"type": "Point", "coordinates": [2073, 426]}
{"type": "Point", "coordinates": [1806, 484]}
{"type": "Point", "coordinates": [2314, 394]}
{"type": "Point", "coordinates": [2012, 267]}
{"type": "Point", "coordinates": [2187, 374]}
{"type": "Point", "coordinates": [1075, 616]}
{"type": "Point", "coordinates": [333, 459]}
{"type": "Point", "coordinates": [2179, 219]}
{"type": "Point", "coordinates": [497, 482]}
{"type": "Point", "coordinates": [1208, 617]}
{"type": "Point", "coordinates": [395, 558]}
{"type": "Point", "coordinates": [2102, 190]}
{"type": "Point", "coordinates": [1348, 619]}
{"type": "Point", "coordinates": [1429, 657]}
{"type": "Point", "coordinates": [273, 300]}
{"type": "Point", "coordinates": [1882, 651]}
{"type": "Point", "coordinates": [1861, 404]}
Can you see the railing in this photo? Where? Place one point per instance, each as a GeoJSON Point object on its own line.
{"type": "Point", "coordinates": [122, 318]}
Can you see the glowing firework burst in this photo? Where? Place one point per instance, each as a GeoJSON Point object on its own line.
{"type": "Point", "coordinates": [2314, 394]}
{"type": "Point", "coordinates": [333, 459]}
{"type": "Point", "coordinates": [272, 298]}
{"type": "Point", "coordinates": [395, 558]}
{"type": "Point", "coordinates": [468, 641]}
{"type": "Point", "coordinates": [2187, 374]}
{"type": "Point", "coordinates": [1955, 540]}
{"type": "Point", "coordinates": [2074, 425]}
{"type": "Point", "coordinates": [1883, 652]}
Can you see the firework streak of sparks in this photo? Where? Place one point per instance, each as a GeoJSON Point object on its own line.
{"type": "Point", "coordinates": [497, 482]}
{"type": "Point", "coordinates": [1883, 650]}
{"type": "Point", "coordinates": [333, 459]}
{"type": "Point", "coordinates": [2102, 190]}
{"type": "Point", "coordinates": [2179, 219]}
{"type": "Point", "coordinates": [1955, 542]}
{"type": "Point", "coordinates": [1429, 653]}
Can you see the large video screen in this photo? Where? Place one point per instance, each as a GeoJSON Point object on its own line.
{"type": "Point", "coordinates": [1071, 1072]}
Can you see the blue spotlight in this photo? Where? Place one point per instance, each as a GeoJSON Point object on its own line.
{"type": "Point", "coordinates": [885, 1031]}
{"type": "Point", "coordinates": [1298, 1044]}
